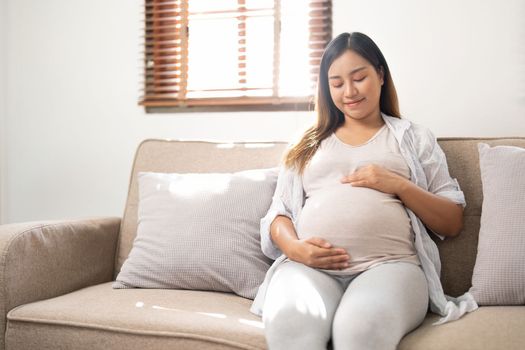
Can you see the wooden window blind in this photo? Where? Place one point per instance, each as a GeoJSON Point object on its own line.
{"type": "Point", "coordinates": [233, 52]}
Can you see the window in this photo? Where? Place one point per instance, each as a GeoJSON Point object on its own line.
{"type": "Point", "coordinates": [233, 52]}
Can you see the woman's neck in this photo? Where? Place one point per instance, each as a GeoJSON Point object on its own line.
{"type": "Point", "coordinates": [358, 131]}
{"type": "Point", "coordinates": [365, 125]}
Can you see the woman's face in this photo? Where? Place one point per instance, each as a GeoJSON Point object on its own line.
{"type": "Point", "coordinates": [355, 86]}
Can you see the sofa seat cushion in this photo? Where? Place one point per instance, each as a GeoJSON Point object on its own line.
{"type": "Point", "coordinates": [100, 317]}
{"type": "Point", "coordinates": [487, 328]}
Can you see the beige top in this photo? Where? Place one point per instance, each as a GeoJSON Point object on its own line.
{"type": "Point", "coordinates": [372, 226]}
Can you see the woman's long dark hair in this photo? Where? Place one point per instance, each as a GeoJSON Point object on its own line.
{"type": "Point", "coordinates": [329, 117]}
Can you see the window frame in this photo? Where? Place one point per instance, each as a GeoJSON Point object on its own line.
{"type": "Point", "coordinates": [166, 21]}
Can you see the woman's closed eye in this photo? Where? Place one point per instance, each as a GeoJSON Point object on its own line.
{"type": "Point", "coordinates": [360, 79]}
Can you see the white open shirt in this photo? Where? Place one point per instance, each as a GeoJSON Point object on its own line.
{"type": "Point", "coordinates": [428, 169]}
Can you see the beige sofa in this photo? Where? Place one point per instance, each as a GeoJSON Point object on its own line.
{"type": "Point", "coordinates": [56, 276]}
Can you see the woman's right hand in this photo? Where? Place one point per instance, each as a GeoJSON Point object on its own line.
{"type": "Point", "coordinates": [318, 253]}
{"type": "Point", "coordinates": [313, 251]}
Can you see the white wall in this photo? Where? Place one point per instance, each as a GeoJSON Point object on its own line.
{"type": "Point", "coordinates": [74, 75]}
{"type": "Point", "coordinates": [458, 66]}
{"type": "Point", "coordinates": [74, 122]}
{"type": "Point", "coordinates": [3, 69]}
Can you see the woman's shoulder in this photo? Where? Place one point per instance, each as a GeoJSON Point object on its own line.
{"type": "Point", "coordinates": [422, 139]}
{"type": "Point", "coordinates": [421, 132]}
{"type": "Point", "coordinates": [423, 135]}
{"type": "Point", "coordinates": [414, 135]}
{"type": "Point", "coordinates": [415, 130]}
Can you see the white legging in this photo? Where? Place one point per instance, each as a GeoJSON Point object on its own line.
{"type": "Point", "coordinates": [305, 307]}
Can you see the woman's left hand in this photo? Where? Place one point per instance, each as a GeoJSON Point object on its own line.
{"type": "Point", "coordinates": [376, 177]}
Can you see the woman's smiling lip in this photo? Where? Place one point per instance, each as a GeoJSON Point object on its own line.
{"type": "Point", "coordinates": [353, 103]}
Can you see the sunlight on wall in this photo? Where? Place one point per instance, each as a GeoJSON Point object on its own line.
{"type": "Point", "coordinates": [293, 75]}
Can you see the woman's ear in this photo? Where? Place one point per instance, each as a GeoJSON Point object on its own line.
{"type": "Point", "coordinates": [381, 72]}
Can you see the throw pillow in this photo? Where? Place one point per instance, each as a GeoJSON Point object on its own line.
{"type": "Point", "coordinates": [200, 231]}
{"type": "Point", "coordinates": [499, 271]}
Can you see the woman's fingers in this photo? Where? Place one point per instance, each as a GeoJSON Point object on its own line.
{"type": "Point", "coordinates": [319, 242]}
{"type": "Point", "coordinates": [327, 248]}
{"type": "Point", "coordinates": [330, 252]}
{"type": "Point", "coordinates": [323, 255]}
{"type": "Point", "coordinates": [323, 248]}
{"type": "Point", "coordinates": [334, 262]}
{"type": "Point", "coordinates": [319, 253]}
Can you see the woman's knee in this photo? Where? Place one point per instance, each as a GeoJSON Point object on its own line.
{"type": "Point", "coordinates": [291, 328]}
{"type": "Point", "coordinates": [363, 330]}
{"type": "Point", "coordinates": [299, 308]}
{"type": "Point", "coordinates": [376, 311]}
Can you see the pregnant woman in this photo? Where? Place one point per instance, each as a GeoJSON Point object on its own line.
{"type": "Point", "coordinates": [354, 264]}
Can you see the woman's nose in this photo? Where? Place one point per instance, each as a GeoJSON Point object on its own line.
{"type": "Point", "coordinates": [350, 90]}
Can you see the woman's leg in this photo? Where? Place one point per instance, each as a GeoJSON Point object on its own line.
{"type": "Point", "coordinates": [299, 307]}
{"type": "Point", "coordinates": [380, 306]}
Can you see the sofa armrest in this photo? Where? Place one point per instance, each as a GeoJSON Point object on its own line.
{"type": "Point", "coordinates": [41, 260]}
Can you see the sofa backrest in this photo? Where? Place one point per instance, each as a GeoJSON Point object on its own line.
{"type": "Point", "coordinates": [458, 255]}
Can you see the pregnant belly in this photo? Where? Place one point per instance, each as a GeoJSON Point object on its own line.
{"type": "Point", "coordinates": [372, 226]}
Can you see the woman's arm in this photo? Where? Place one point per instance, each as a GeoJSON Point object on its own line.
{"type": "Point", "coordinates": [314, 251]}
{"type": "Point", "coordinates": [440, 214]}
